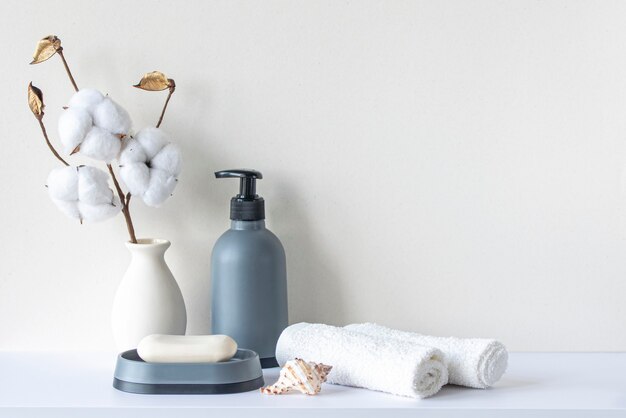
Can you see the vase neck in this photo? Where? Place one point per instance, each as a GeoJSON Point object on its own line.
{"type": "Point", "coordinates": [148, 247]}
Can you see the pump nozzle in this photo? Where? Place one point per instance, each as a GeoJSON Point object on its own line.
{"type": "Point", "coordinates": [247, 183]}
{"type": "Point", "coordinates": [247, 205]}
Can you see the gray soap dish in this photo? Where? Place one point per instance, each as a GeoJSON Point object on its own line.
{"type": "Point", "coordinates": [242, 373]}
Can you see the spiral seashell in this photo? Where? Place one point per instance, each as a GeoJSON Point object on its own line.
{"type": "Point", "coordinates": [297, 374]}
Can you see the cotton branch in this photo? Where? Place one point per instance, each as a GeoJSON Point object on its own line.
{"type": "Point", "coordinates": [172, 88]}
{"type": "Point", "coordinates": [126, 207]}
{"type": "Point", "coordinates": [35, 102]}
{"type": "Point", "coordinates": [157, 81]}
{"type": "Point", "coordinates": [67, 68]}
{"type": "Point", "coordinates": [46, 48]}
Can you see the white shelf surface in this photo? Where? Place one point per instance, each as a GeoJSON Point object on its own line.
{"type": "Point", "coordinates": [78, 384]}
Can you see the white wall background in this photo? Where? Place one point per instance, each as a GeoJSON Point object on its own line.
{"type": "Point", "coordinates": [450, 167]}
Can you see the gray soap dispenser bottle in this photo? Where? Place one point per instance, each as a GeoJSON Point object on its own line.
{"type": "Point", "coordinates": [248, 274]}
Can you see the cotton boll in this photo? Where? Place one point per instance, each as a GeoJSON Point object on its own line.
{"type": "Point", "coordinates": [88, 175]}
{"type": "Point", "coordinates": [101, 145]}
{"type": "Point", "coordinates": [86, 99]}
{"type": "Point", "coordinates": [152, 140]}
{"type": "Point", "coordinates": [161, 186]}
{"type": "Point", "coordinates": [63, 183]}
{"type": "Point", "coordinates": [149, 166]}
{"type": "Point", "coordinates": [168, 160]}
{"type": "Point", "coordinates": [70, 208]}
{"type": "Point", "coordinates": [83, 193]}
{"type": "Point", "coordinates": [74, 124]}
{"type": "Point", "coordinates": [93, 186]}
{"type": "Point", "coordinates": [112, 117]}
{"type": "Point", "coordinates": [132, 153]}
{"type": "Point", "coordinates": [136, 177]}
{"type": "Point", "coordinates": [96, 213]}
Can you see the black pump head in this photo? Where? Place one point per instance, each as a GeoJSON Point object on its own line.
{"type": "Point", "coordinates": [247, 205]}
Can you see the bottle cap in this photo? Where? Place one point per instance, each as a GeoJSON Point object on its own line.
{"type": "Point", "coordinates": [247, 205]}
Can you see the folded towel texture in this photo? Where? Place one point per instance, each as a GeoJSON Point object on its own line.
{"type": "Point", "coordinates": [367, 361]}
{"type": "Point", "coordinates": [472, 362]}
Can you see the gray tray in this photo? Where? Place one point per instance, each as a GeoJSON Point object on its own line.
{"type": "Point", "coordinates": [242, 373]}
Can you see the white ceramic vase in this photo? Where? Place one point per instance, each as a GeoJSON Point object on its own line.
{"type": "Point", "coordinates": [148, 299]}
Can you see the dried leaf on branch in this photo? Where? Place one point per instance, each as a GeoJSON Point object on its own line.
{"type": "Point", "coordinates": [46, 48]}
{"type": "Point", "coordinates": [35, 100]}
{"type": "Point", "coordinates": [155, 81]}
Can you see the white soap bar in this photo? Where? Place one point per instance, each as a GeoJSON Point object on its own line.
{"type": "Point", "coordinates": [158, 348]}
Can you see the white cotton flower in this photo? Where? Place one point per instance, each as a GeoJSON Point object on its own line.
{"type": "Point", "coordinates": [150, 165]}
{"type": "Point", "coordinates": [74, 124]}
{"type": "Point", "coordinates": [168, 160]}
{"type": "Point", "coordinates": [100, 145]}
{"type": "Point", "coordinates": [93, 124]}
{"type": "Point", "coordinates": [93, 186]}
{"type": "Point", "coordinates": [152, 140]}
{"type": "Point", "coordinates": [133, 153]}
{"type": "Point", "coordinates": [112, 117]}
{"type": "Point", "coordinates": [86, 99]}
{"type": "Point", "coordinates": [161, 186]}
{"type": "Point", "coordinates": [83, 193]}
{"type": "Point", "coordinates": [136, 176]}
{"type": "Point", "coordinates": [69, 208]}
{"type": "Point", "coordinates": [97, 213]}
{"type": "Point", "coordinates": [63, 183]}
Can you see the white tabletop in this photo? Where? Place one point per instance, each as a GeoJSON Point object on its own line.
{"type": "Point", "coordinates": [78, 384]}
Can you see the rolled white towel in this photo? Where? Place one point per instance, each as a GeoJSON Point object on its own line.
{"type": "Point", "coordinates": [366, 361]}
{"type": "Point", "coordinates": [472, 362]}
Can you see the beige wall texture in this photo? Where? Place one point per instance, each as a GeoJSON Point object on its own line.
{"type": "Point", "coordinates": [450, 167]}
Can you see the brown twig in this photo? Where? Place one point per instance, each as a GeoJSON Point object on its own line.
{"type": "Point", "coordinates": [169, 95]}
{"type": "Point", "coordinates": [125, 206]}
{"type": "Point", "coordinates": [45, 135]}
{"type": "Point", "coordinates": [67, 68]}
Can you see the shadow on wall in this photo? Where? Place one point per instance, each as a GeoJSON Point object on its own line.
{"type": "Point", "coordinates": [199, 226]}
{"type": "Point", "coordinates": [314, 282]}
{"type": "Point", "coordinates": [313, 279]}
